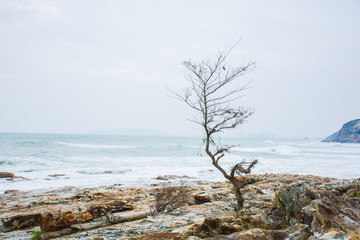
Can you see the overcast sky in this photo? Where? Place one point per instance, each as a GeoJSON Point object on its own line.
{"type": "Point", "coordinates": [80, 66]}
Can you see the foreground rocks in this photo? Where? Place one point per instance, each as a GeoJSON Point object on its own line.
{"type": "Point", "coordinates": [277, 206]}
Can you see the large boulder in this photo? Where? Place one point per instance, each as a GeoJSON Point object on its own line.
{"type": "Point", "coordinates": [332, 212]}
{"type": "Point", "coordinates": [349, 133]}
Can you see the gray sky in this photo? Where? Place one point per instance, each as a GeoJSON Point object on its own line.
{"type": "Point", "coordinates": [81, 66]}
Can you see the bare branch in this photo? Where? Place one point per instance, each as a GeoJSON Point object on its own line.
{"type": "Point", "coordinates": [240, 167]}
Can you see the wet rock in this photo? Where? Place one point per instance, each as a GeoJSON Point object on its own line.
{"type": "Point", "coordinates": [170, 177]}
{"type": "Point", "coordinates": [57, 175]}
{"type": "Point", "coordinates": [6, 175]}
{"type": "Point", "coordinates": [202, 198]}
{"type": "Point", "coordinates": [11, 191]}
{"type": "Point", "coordinates": [297, 232]}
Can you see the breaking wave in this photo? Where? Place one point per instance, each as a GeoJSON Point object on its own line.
{"type": "Point", "coordinates": [279, 149]}
{"type": "Point", "coordinates": [95, 146]}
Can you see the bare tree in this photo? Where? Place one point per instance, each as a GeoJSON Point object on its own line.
{"type": "Point", "coordinates": [210, 93]}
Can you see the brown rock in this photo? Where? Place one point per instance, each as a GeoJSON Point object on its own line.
{"type": "Point", "coordinates": [211, 227]}
{"type": "Point", "coordinates": [86, 216]}
{"type": "Point", "coordinates": [68, 218]}
{"type": "Point", "coordinates": [297, 232]}
{"type": "Point", "coordinates": [6, 175]}
{"type": "Point", "coordinates": [96, 211]}
{"type": "Point", "coordinates": [47, 222]}
{"type": "Point", "coordinates": [119, 206]}
{"type": "Point", "coordinates": [202, 198]}
{"type": "Point", "coordinates": [21, 221]}
{"type": "Point", "coordinates": [11, 191]}
{"type": "Point", "coordinates": [57, 175]}
{"type": "Point", "coordinates": [57, 220]}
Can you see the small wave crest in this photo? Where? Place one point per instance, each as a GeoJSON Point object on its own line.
{"type": "Point", "coordinates": [181, 146]}
{"type": "Point", "coordinates": [279, 149]}
{"type": "Point", "coordinates": [286, 150]}
{"type": "Point", "coordinates": [7, 161]}
{"type": "Point", "coordinates": [23, 162]}
{"type": "Point", "coordinates": [3, 162]}
{"type": "Point", "coordinates": [94, 146]}
{"type": "Point", "coordinates": [94, 172]}
{"type": "Point", "coordinates": [29, 143]}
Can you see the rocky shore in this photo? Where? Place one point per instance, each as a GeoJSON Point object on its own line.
{"type": "Point", "coordinates": [277, 206]}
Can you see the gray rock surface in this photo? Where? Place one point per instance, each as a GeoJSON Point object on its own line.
{"type": "Point", "coordinates": [349, 133]}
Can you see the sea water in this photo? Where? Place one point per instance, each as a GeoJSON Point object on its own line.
{"type": "Point", "coordinates": [43, 161]}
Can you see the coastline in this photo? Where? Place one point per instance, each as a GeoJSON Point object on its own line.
{"type": "Point", "coordinates": [282, 203]}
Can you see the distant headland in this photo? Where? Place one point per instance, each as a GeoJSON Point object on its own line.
{"type": "Point", "coordinates": [349, 133]}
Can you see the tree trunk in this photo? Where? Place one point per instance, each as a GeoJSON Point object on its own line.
{"type": "Point", "coordinates": [238, 185]}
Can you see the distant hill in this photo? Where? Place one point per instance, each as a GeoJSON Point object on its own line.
{"type": "Point", "coordinates": [349, 133]}
{"type": "Point", "coordinates": [130, 132]}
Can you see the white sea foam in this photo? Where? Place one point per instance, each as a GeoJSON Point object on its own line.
{"type": "Point", "coordinates": [48, 161]}
{"type": "Point", "coordinates": [286, 150]}
{"type": "Point", "coordinates": [277, 149]}
{"type": "Point", "coordinates": [94, 146]}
